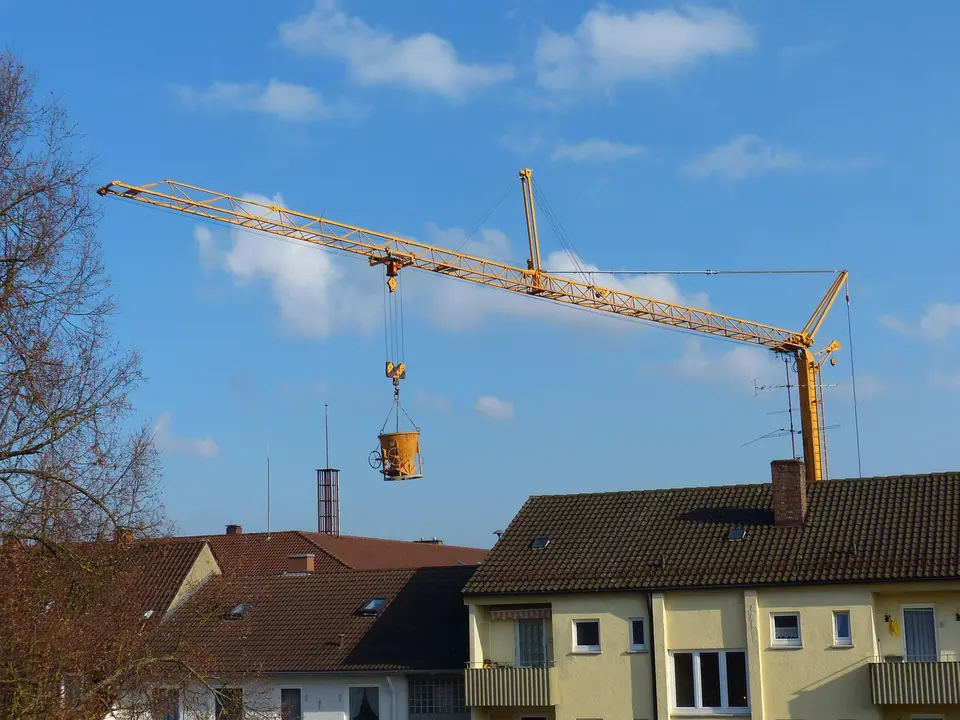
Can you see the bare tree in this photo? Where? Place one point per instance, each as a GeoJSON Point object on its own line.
{"type": "Point", "coordinates": [67, 470]}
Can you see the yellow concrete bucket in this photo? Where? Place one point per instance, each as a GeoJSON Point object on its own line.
{"type": "Point", "coordinates": [400, 454]}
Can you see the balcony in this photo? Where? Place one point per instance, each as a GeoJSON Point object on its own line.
{"type": "Point", "coordinates": [500, 685]}
{"type": "Point", "coordinates": [915, 683]}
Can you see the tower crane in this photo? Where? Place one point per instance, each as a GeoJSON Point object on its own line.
{"type": "Point", "coordinates": [397, 253]}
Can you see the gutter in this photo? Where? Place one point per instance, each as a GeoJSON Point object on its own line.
{"type": "Point", "coordinates": [393, 698]}
{"type": "Point", "coordinates": [653, 655]}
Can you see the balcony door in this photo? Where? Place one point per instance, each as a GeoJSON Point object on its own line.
{"type": "Point", "coordinates": [531, 643]}
{"type": "Point", "coordinates": [920, 634]}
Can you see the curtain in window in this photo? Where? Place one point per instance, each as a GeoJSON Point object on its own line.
{"type": "Point", "coordinates": [531, 651]}
{"type": "Point", "coordinates": [364, 703]}
{"type": "Point", "coordinates": [920, 631]}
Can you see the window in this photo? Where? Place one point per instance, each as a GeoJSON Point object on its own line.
{"type": "Point", "coordinates": [920, 634]}
{"type": "Point", "coordinates": [364, 703]}
{"type": "Point", "coordinates": [436, 695]}
{"type": "Point", "coordinates": [638, 638]}
{"type": "Point", "coordinates": [841, 628]}
{"type": "Point", "coordinates": [539, 543]}
{"type": "Point", "coordinates": [72, 687]}
{"type": "Point", "coordinates": [290, 707]}
{"type": "Point", "coordinates": [586, 636]}
{"type": "Point", "coordinates": [373, 606]}
{"type": "Point", "coordinates": [166, 704]}
{"type": "Point", "coordinates": [531, 643]}
{"type": "Point", "coordinates": [710, 681]}
{"type": "Point", "coordinates": [786, 629]}
{"type": "Point", "coordinates": [238, 611]}
{"type": "Point", "coordinates": [228, 704]}
{"type": "Point", "coordinates": [736, 533]}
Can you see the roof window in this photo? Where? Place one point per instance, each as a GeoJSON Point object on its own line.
{"type": "Point", "coordinates": [736, 533]}
{"type": "Point", "coordinates": [373, 606]}
{"type": "Point", "coordinates": [539, 543]}
{"type": "Point", "coordinates": [238, 611]}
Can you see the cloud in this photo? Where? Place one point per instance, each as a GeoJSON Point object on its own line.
{"type": "Point", "coordinates": [949, 381]}
{"type": "Point", "coordinates": [739, 366]}
{"type": "Point", "coordinates": [285, 101]}
{"type": "Point", "coordinates": [424, 62]}
{"type": "Point", "coordinates": [744, 156]}
{"type": "Point", "coordinates": [319, 293]}
{"type": "Point", "coordinates": [168, 441]}
{"type": "Point", "coordinates": [609, 47]}
{"type": "Point", "coordinates": [597, 150]}
{"type": "Point", "coordinates": [439, 403]}
{"type": "Point", "coordinates": [936, 323]}
{"type": "Point", "coordinates": [494, 408]}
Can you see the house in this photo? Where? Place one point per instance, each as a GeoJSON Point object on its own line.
{"type": "Point", "coordinates": [309, 645]}
{"type": "Point", "coordinates": [778, 600]}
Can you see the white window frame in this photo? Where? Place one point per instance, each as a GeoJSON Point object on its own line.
{"type": "Point", "coordinates": [586, 649]}
{"type": "Point", "coordinates": [634, 645]}
{"type": "Point", "coordinates": [842, 641]}
{"type": "Point", "coordinates": [790, 643]}
{"type": "Point", "coordinates": [903, 624]}
{"type": "Point", "coordinates": [699, 710]}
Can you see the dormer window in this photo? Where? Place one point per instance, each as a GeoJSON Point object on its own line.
{"type": "Point", "coordinates": [373, 606]}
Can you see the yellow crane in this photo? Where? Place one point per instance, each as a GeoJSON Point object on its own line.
{"type": "Point", "coordinates": [396, 253]}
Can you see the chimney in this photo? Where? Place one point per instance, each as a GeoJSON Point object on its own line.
{"type": "Point", "coordinates": [429, 541]}
{"type": "Point", "coordinates": [234, 529]}
{"type": "Point", "coordinates": [300, 563]}
{"type": "Point", "coordinates": [789, 492]}
{"type": "Point", "coordinates": [123, 536]}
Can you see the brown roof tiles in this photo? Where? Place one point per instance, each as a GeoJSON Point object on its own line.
{"type": "Point", "coordinates": [886, 528]}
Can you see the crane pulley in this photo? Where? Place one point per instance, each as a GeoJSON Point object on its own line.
{"type": "Point", "coordinates": [396, 253]}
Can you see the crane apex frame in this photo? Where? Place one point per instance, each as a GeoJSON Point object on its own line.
{"type": "Point", "coordinates": [396, 253]}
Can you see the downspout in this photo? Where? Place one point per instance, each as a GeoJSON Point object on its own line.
{"type": "Point", "coordinates": [653, 655]}
{"type": "Point", "coordinates": [393, 699]}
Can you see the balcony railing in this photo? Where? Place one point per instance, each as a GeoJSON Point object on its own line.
{"type": "Point", "coordinates": [504, 685]}
{"type": "Point", "coordinates": [915, 683]}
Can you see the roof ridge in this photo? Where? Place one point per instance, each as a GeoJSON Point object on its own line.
{"type": "Point", "coordinates": [303, 534]}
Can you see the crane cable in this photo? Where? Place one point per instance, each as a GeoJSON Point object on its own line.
{"type": "Point", "coordinates": [853, 379]}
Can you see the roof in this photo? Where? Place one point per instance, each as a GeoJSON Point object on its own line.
{"type": "Point", "coordinates": [871, 529]}
{"type": "Point", "coordinates": [260, 553]}
{"type": "Point", "coordinates": [163, 568]}
{"type": "Point", "coordinates": [295, 622]}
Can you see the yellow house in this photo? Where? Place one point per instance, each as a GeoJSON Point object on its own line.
{"type": "Point", "coordinates": [837, 601]}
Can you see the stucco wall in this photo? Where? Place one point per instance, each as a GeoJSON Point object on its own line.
{"type": "Point", "coordinates": [946, 606]}
{"type": "Point", "coordinates": [817, 680]}
{"type": "Point", "coordinates": [705, 620]}
{"type": "Point", "coordinates": [204, 567]}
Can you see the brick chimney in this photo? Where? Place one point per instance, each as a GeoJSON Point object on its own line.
{"type": "Point", "coordinates": [789, 492]}
{"type": "Point", "coordinates": [123, 536]}
{"type": "Point", "coordinates": [300, 563]}
{"type": "Point", "coordinates": [234, 529]}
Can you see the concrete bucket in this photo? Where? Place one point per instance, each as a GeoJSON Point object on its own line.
{"type": "Point", "coordinates": [400, 455]}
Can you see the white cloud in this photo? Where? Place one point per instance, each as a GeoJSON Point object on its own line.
{"type": "Point", "coordinates": [423, 62]}
{"type": "Point", "coordinates": [936, 323]}
{"type": "Point", "coordinates": [739, 366]}
{"type": "Point", "coordinates": [292, 103]}
{"type": "Point", "coordinates": [950, 381]}
{"type": "Point", "coordinates": [744, 156]}
{"type": "Point", "coordinates": [166, 440]}
{"type": "Point", "coordinates": [609, 47]}
{"type": "Point", "coordinates": [494, 408]}
{"type": "Point", "coordinates": [597, 150]}
{"type": "Point", "coordinates": [319, 293]}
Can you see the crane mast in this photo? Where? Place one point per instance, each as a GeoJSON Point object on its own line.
{"type": "Point", "coordinates": [396, 253]}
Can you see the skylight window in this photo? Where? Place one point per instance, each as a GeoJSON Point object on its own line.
{"type": "Point", "coordinates": [736, 533]}
{"type": "Point", "coordinates": [238, 611]}
{"type": "Point", "coordinates": [539, 543]}
{"type": "Point", "coordinates": [373, 606]}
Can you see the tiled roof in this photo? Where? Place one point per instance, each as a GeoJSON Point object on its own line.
{"type": "Point", "coordinates": [259, 553]}
{"type": "Point", "coordinates": [162, 568]}
{"type": "Point", "coordinates": [872, 529]}
{"type": "Point", "coordinates": [311, 623]}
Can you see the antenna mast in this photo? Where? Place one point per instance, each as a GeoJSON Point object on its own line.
{"type": "Point", "coordinates": [328, 488]}
{"type": "Point", "coordinates": [268, 491]}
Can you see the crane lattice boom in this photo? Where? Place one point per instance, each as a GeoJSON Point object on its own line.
{"type": "Point", "coordinates": [396, 253]}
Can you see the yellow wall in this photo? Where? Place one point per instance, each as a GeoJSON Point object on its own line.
{"type": "Point", "coordinates": [817, 680]}
{"type": "Point", "coordinates": [705, 620]}
{"type": "Point", "coordinates": [908, 712]}
{"type": "Point", "coordinates": [946, 605]}
{"type": "Point", "coordinates": [204, 567]}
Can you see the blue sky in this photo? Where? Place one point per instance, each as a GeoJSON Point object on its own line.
{"type": "Point", "coordinates": [746, 135]}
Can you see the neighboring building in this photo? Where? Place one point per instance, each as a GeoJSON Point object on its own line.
{"type": "Point", "coordinates": [357, 644]}
{"type": "Point", "coordinates": [838, 601]}
{"type": "Point", "coordinates": [260, 553]}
